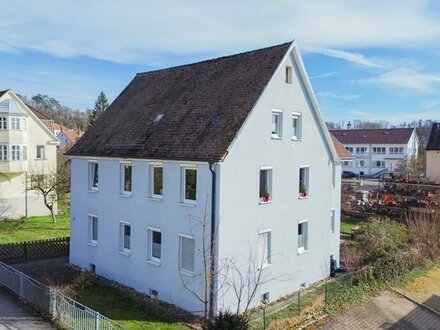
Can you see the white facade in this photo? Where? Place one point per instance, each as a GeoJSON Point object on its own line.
{"type": "Point", "coordinates": [250, 229]}
{"type": "Point", "coordinates": [26, 146]}
{"type": "Point", "coordinates": [372, 158]}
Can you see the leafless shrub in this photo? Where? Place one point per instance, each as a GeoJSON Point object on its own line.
{"type": "Point", "coordinates": [351, 256]}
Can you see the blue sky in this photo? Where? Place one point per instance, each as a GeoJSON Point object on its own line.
{"type": "Point", "coordinates": [372, 60]}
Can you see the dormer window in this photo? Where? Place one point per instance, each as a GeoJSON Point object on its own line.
{"type": "Point", "coordinates": [288, 74]}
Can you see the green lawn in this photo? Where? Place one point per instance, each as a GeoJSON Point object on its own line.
{"type": "Point", "coordinates": [348, 223]}
{"type": "Point", "coordinates": [125, 311]}
{"type": "Point", "coordinates": [34, 228]}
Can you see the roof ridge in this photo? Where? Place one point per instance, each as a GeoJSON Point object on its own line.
{"type": "Point", "coordinates": [214, 59]}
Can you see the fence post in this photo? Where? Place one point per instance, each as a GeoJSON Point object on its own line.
{"type": "Point", "coordinates": [299, 303]}
{"type": "Point", "coordinates": [97, 321]}
{"type": "Point", "coordinates": [25, 251]}
{"type": "Point", "coordinates": [21, 284]}
{"type": "Point", "coordinates": [53, 302]}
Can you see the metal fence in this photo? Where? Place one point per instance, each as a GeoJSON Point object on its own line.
{"type": "Point", "coordinates": [65, 310]}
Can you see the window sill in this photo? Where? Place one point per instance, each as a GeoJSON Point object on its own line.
{"type": "Point", "coordinates": [264, 203]}
{"type": "Point", "coordinates": [264, 266]}
{"type": "Point", "coordinates": [93, 190]}
{"type": "Point", "coordinates": [124, 253]}
{"type": "Point", "coordinates": [187, 204]}
{"type": "Point", "coordinates": [276, 137]}
{"type": "Point", "coordinates": [126, 195]}
{"type": "Point", "coordinates": [92, 244]}
{"type": "Point", "coordinates": [186, 273]}
{"type": "Point", "coordinates": [153, 262]}
{"type": "Point", "coordinates": [37, 159]}
{"type": "Point", "coordinates": [296, 139]}
{"type": "Point", "coordinates": [155, 199]}
{"type": "Point", "coordinates": [304, 197]}
{"type": "Point", "coordinates": [301, 251]}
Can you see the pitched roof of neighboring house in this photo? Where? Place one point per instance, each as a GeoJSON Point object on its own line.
{"type": "Point", "coordinates": [3, 92]}
{"type": "Point", "coordinates": [190, 112]}
{"type": "Point", "coordinates": [434, 138]}
{"type": "Point", "coordinates": [43, 117]}
{"type": "Point", "coordinates": [343, 153]}
{"type": "Point", "coordinates": [71, 135]}
{"type": "Point", "coordinates": [373, 136]}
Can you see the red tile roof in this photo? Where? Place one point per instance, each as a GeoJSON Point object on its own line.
{"type": "Point", "coordinates": [373, 136]}
{"type": "Point", "coordinates": [340, 149]}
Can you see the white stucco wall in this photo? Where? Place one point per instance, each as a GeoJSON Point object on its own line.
{"type": "Point", "coordinates": [433, 165]}
{"type": "Point", "coordinates": [242, 215]}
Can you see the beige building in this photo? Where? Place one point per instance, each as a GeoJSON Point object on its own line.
{"type": "Point", "coordinates": [433, 154]}
{"type": "Point", "coordinates": [27, 145]}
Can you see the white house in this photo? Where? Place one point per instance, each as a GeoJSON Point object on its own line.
{"type": "Point", "coordinates": [27, 145]}
{"type": "Point", "coordinates": [433, 154]}
{"type": "Point", "coordinates": [234, 147]}
{"type": "Point", "coordinates": [377, 150]}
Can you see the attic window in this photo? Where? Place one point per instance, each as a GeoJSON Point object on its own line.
{"type": "Point", "coordinates": [364, 136]}
{"type": "Point", "coordinates": [288, 74]}
{"type": "Point", "coordinates": [158, 117]}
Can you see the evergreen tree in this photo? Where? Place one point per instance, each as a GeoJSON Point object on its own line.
{"type": "Point", "coordinates": [101, 104]}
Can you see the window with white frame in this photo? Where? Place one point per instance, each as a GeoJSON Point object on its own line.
{"type": "Point", "coordinates": [277, 123]}
{"type": "Point", "coordinates": [4, 152]}
{"type": "Point", "coordinates": [361, 163]}
{"type": "Point", "coordinates": [265, 184]}
{"type": "Point", "coordinates": [379, 150]}
{"type": "Point", "coordinates": [186, 253]}
{"type": "Point", "coordinates": [93, 175]}
{"type": "Point", "coordinates": [126, 178]}
{"type": "Point", "coordinates": [156, 181]}
{"type": "Point", "coordinates": [345, 163]}
{"type": "Point", "coordinates": [304, 173]}
{"type": "Point", "coordinates": [296, 126]}
{"type": "Point", "coordinates": [24, 124]}
{"type": "Point", "coordinates": [125, 235]}
{"type": "Point", "coordinates": [3, 123]}
{"type": "Point", "coordinates": [15, 152]}
{"type": "Point", "coordinates": [350, 149]}
{"type": "Point", "coordinates": [189, 184]}
{"type": "Point", "coordinates": [155, 239]}
{"type": "Point", "coordinates": [264, 248]}
{"type": "Point", "coordinates": [379, 163]}
{"type": "Point", "coordinates": [93, 229]}
{"type": "Point", "coordinates": [333, 221]}
{"type": "Point", "coordinates": [288, 74]}
{"type": "Point", "coordinates": [15, 123]}
{"type": "Point", "coordinates": [302, 236]}
{"type": "Point", "coordinates": [396, 150]}
{"type": "Point", "coordinates": [40, 152]}
{"type": "Point", "coordinates": [361, 150]}
{"type": "Point", "coordinates": [24, 152]}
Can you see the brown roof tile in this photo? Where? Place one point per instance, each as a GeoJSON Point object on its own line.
{"type": "Point", "coordinates": [204, 105]}
{"type": "Point", "coordinates": [373, 136]}
{"type": "Point", "coordinates": [340, 149]}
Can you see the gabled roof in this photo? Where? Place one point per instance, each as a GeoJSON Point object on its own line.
{"type": "Point", "coordinates": [373, 136]}
{"type": "Point", "coordinates": [71, 135]}
{"type": "Point", "coordinates": [3, 92]}
{"type": "Point", "coordinates": [43, 118]}
{"type": "Point", "coordinates": [343, 153]}
{"type": "Point", "coordinates": [434, 138]}
{"type": "Point", "coordinates": [190, 112]}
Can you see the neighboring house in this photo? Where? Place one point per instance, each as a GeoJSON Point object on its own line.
{"type": "Point", "coordinates": [27, 145]}
{"type": "Point", "coordinates": [343, 153]}
{"type": "Point", "coordinates": [67, 138]}
{"type": "Point", "coordinates": [236, 146]}
{"type": "Point", "coordinates": [433, 154]}
{"type": "Point", "coordinates": [377, 150]}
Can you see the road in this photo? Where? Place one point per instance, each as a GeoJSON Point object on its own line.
{"type": "Point", "coordinates": [17, 316]}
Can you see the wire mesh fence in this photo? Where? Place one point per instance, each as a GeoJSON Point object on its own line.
{"type": "Point", "coordinates": [70, 313]}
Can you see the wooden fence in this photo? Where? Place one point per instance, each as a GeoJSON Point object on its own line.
{"type": "Point", "coordinates": [34, 250]}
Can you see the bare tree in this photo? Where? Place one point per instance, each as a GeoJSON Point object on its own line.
{"type": "Point", "coordinates": [411, 167]}
{"type": "Point", "coordinates": [5, 208]}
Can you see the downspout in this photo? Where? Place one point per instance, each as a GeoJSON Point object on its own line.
{"type": "Point", "coordinates": [212, 243]}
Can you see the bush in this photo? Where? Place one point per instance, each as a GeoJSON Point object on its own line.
{"type": "Point", "coordinates": [228, 321]}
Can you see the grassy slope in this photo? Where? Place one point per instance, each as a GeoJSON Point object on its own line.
{"type": "Point", "coordinates": [34, 228]}
{"type": "Point", "coordinates": [124, 310]}
{"type": "Point", "coordinates": [348, 223]}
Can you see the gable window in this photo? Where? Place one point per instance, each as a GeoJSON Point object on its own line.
{"type": "Point", "coordinates": [288, 74]}
{"type": "Point", "coordinates": [333, 221]}
{"type": "Point", "coordinates": [3, 123]}
{"type": "Point", "coordinates": [264, 248]}
{"type": "Point", "coordinates": [379, 150]}
{"type": "Point", "coordinates": [155, 239]}
{"type": "Point", "coordinates": [3, 152]}
{"type": "Point", "coordinates": [265, 185]}
{"type": "Point", "coordinates": [93, 229]}
{"type": "Point", "coordinates": [304, 182]}
{"type": "Point", "coordinates": [15, 123]}
{"type": "Point", "coordinates": [126, 178]}
{"type": "Point", "coordinates": [189, 185]}
{"type": "Point", "coordinates": [156, 181]}
{"type": "Point", "coordinates": [125, 235]}
{"type": "Point", "coordinates": [277, 122]}
{"type": "Point", "coordinates": [296, 126]}
{"type": "Point", "coordinates": [93, 175]}
{"type": "Point", "coordinates": [40, 152]}
{"type": "Point", "coordinates": [302, 236]}
{"type": "Point", "coordinates": [186, 253]}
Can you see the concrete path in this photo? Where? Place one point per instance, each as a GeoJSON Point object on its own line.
{"type": "Point", "coordinates": [387, 311]}
{"type": "Point", "coordinates": [17, 316]}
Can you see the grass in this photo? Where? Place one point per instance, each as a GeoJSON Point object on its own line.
{"type": "Point", "coordinates": [124, 310]}
{"type": "Point", "coordinates": [34, 228]}
{"type": "Point", "coordinates": [348, 223]}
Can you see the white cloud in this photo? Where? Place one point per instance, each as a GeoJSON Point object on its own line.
{"type": "Point", "coordinates": [146, 30]}
{"type": "Point", "coordinates": [394, 118]}
{"type": "Point", "coordinates": [352, 57]}
{"type": "Point", "coordinates": [345, 96]}
{"type": "Point", "coordinates": [408, 79]}
{"type": "Point", "coordinates": [322, 75]}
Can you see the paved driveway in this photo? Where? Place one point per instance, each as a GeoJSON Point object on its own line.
{"type": "Point", "coordinates": [17, 316]}
{"type": "Point", "coordinates": [387, 311]}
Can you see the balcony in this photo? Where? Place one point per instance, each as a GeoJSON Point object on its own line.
{"type": "Point", "coordinates": [13, 166]}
